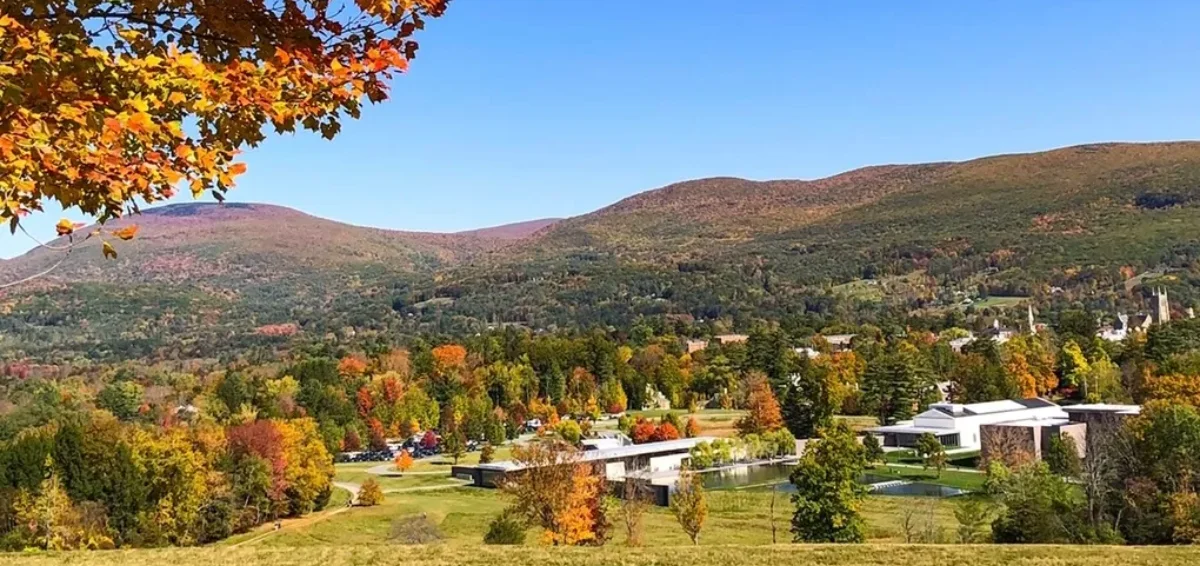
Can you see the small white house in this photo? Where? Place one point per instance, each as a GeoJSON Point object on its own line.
{"type": "Point", "coordinates": [957, 426]}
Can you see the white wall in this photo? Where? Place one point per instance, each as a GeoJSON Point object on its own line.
{"type": "Point", "coordinates": [968, 426]}
{"type": "Point", "coordinates": [668, 462]}
{"type": "Point", "coordinates": [614, 471]}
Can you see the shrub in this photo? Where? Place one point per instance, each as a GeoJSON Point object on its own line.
{"type": "Point", "coordinates": [370, 494]}
{"type": "Point", "coordinates": [505, 529]}
{"type": "Point", "coordinates": [415, 529]}
{"type": "Point", "coordinates": [665, 431]}
{"type": "Point", "coordinates": [569, 431]}
{"type": "Point", "coordinates": [1062, 456]}
{"type": "Point", "coordinates": [692, 429]}
{"type": "Point", "coordinates": [487, 454]}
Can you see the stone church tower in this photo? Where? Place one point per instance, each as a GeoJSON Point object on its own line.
{"type": "Point", "coordinates": [1162, 309]}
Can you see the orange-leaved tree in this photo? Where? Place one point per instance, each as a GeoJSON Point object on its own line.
{"type": "Point", "coordinates": [560, 493]}
{"type": "Point", "coordinates": [764, 412]}
{"type": "Point", "coordinates": [404, 461]}
{"type": "Point", "coordinates": [108, 103]}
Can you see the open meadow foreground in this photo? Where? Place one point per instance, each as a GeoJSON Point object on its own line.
{"type": "Point", "coordinates": [725, 555]}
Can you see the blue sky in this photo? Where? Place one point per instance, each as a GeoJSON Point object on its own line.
{"type": "Point", "coordinates": [522, 109]}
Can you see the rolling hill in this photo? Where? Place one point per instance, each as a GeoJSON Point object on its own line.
{"type": "Point", "coordinates": [1067, 226]}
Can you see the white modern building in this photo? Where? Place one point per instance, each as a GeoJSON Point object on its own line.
{"type": "Point", "coordinates": [615, 461]}
{"type": "Point", "coordinates": [958, 426]}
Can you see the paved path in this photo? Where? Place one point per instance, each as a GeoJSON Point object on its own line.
{"type": "Point", "coordinates": [390, 470]}
{"type": "Point", "coordinates": [353, 488]}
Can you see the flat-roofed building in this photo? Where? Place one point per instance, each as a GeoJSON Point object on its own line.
{"type": "Point", "coordinates": [958, 426]}
{"type": "Point", "coordinates": [615, 461]}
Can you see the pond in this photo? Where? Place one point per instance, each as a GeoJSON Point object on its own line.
{"type": "Point", "coordinates": [777, 474]}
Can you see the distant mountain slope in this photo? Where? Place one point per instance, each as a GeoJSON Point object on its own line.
{"type": "Point", "coordinates": [200, 241]}
{"type": "Point", "coordinates": [729, 247]}
{"type": "Point", "coordinates": [224, 276]}
{"type": "Point", "coordinates": [1067, 226]}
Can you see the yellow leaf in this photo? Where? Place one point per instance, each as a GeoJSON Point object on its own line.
{"type": "Point", "coordinates": [139, 105]}
{"type": "Point", "coordinates": [126, 233]}
{"type": "Point", "coordinates": [176, 98]}
{"type": "Point", "coordinates": [109, 251]}
{"type": "Point", "coordinates": [64, 227]}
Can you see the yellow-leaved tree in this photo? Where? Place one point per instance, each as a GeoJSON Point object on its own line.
{"type": "Point", "coordinates": [106, 104]}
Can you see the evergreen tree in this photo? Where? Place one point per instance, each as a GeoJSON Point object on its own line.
{"type": "Point", "coordinates": [894, 385]}
{"type": "Point", "coordinates": [808, 403]}
{"type": "Point", "coordinates": [872, 450]}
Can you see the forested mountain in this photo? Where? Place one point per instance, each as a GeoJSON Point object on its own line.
{"type": "Point", "coordinates": [1090, 226]}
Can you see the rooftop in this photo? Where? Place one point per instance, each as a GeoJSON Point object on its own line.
{"type": "Point", "coordinates": [907, 427]}
{"type": "Point", "coordinates": [616, 453]}
{"type": "Point", "coordinates": [990, 407]}
{"type": "Point", "coordinates": [1104, 408]}
{"type": "Point", "coordinates": [1035, 422]}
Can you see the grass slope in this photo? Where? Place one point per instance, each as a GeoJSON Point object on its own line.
{"type": "Point", "coordinates": [808, 555]}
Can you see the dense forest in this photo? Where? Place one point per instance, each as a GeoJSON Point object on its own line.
{"type": "Point", "coordinates": [188, 452]}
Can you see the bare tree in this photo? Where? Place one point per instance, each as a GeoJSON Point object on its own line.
{"type": "Point", "coordinates": [908, 522]}
{"type": "Point", "coordinates": [635, 500]}
{"type": "Point", "coordinates": [1011, 445]}
{"type": "Point", "coordinates": [1108, 449]}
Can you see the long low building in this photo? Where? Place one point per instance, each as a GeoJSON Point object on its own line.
{"type": "Point", "coordinates": [651, 457]}
{"type": "Point", "coordinates": [958, 426]}
{"type": "Point", "coordinates": [1013, 431]}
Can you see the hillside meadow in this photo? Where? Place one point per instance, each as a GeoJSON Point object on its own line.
{"type": "Point", "coordinates": [441, 555]}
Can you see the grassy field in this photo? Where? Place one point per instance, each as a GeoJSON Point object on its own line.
{"type": "Point", "coordinates": [462, 515]}
{"type": "Point", "coordinates": [713, 422]}
{"type": "Point", "coordinates": [807, 555]}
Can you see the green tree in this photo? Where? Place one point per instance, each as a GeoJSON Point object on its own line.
{"type": "Point", "coordinates": [487, 454]}
{"type": "Point", "coordinates": [1062, 456]}
{"type": "Point", "coordinates": [1041, 508]}
{"type": "Point", "coordinates": [894, 384]}
{"type": "Point", "coordinates": [872, 450]}
{"type": "Point", "coordinates": [932, 452]}
{"type": "Point", "coordinates": [455, 445]}
{"type": "Point", "coordinates": [702, 456]}
{"type": "Point", "coordinates": [121, 398]}
{"type": "Point", "coordinates": [974, 515]}
{"type": "Point", "coordinates": [808, 402]}
{"type": "Point", "coordinates": [569, 431]}
{"type": "Point", "coordinates": [506, 529]}
{"type": "Point", "coordinates": [828, 494]}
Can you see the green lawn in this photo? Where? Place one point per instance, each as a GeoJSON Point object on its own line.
{"type": "Point", "coordinates": [968, 480]}
{"type": "Point", "coordinates": [337, 554]}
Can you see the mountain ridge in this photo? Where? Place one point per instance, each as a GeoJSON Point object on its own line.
{"type": "Point", "coordinates": [1078, 218]}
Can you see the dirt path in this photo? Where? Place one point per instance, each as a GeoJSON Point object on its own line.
{"type": "Point", "coordinates": [354, 489]}
{"type": "Point", "coordinates": [292, 524]}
